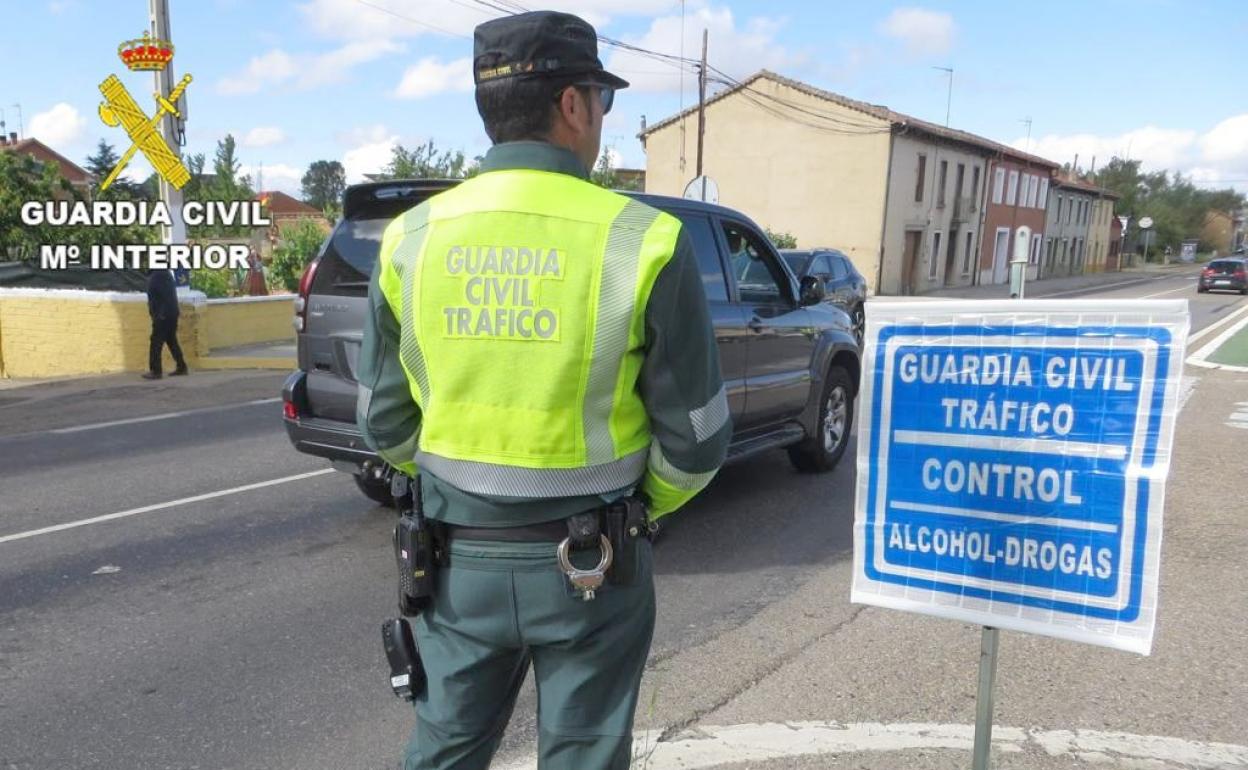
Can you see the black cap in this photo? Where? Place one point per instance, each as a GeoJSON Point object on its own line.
{"type": "Point", "coordinates": [539, 44]}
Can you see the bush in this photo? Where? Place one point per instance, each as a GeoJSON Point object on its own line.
{"type": "Point", "coordinates": [782, 240]}
{"type": "Point", "coordinates": [300, 243]}
{"type": "Point", "coordinates": [213, 283]}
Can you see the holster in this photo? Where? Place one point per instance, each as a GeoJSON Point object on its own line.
{"type": "Point", "coordinates": [626, 525]}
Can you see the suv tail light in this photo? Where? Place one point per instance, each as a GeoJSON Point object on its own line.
{"type": "Point", "coordinates": [301, 301]}
{"type": "Point", "coordinates": [1239, 273]}
{"type": "Point", "coordinates": [289, 410]}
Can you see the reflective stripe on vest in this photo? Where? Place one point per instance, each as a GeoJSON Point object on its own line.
{"type": "Point", "coordinates": [521, 300]}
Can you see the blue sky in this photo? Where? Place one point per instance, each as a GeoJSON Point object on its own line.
{"type": "Point", "coordinates": [301, 80]}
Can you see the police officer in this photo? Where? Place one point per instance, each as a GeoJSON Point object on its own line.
{"type": "Point", "coordinates": [539, 348]}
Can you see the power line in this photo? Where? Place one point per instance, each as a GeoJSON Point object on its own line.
{"type": "Point", "coordinates": [426, 24]}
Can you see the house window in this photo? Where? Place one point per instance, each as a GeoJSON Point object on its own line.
{"type": "Point", "coordinates": [944, 178]}
{"type": "Point", "coordinates": [1011, 196]}
{"type": "Point", "coordinates": [1033, 191]}
{"type": "Point", "coordinates": [975, 185]}
{"type": "Point", "coordinates": [1060, 201]}
{"type": "Point", "coordinates": [966, 255]}
{"type": "Point", "coordinates": [918, 181]}
{"type": "Point", "coordinates": [935, 259]}
{"type": "Point", "coordinates": [1070, 211]}
{"type": "Point", "coordinates": [998, 186]}
{"type": "Point", "coordinates": [961, 178]}
{"type": "Point", "coordinates": [1043, 197]}
{"type": "Point", "coordinates": [1025, 191]}
{"type": "Point", "coordinates": [1035, 250]}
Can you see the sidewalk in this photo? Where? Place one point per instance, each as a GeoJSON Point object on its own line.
{"type": "Point", "coordinates": [260, 355]}
{"type": "Point", "coordinates": [36, 405]}
{"type": "Point", "coordinates": [1052, 287]}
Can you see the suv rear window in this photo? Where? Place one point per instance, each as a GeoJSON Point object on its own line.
{"type": "Point", "coordinates": [349, 256]}
{"type": "Point", "coordinates": [1226, 265]}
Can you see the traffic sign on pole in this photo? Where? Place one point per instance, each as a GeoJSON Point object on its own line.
{"type": "Point", "coordinates": [1012, 463]}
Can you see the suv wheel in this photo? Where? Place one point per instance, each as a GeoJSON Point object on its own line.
{"type": "Point", "coordinates": [858, 324]}
{"type": "Point", "coordinates": [376, 490]}
{"type": "Point", "coordinates": [822, 451]}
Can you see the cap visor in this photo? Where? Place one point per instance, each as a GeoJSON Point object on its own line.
{"type": "Point", "coordinates": [607, 79]}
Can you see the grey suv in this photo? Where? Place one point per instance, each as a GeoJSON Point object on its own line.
{"type": "Point", "coordinates": [790, 362]}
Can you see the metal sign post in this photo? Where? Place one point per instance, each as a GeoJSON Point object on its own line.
{"type": "Point", "coordinates": [983, 698]}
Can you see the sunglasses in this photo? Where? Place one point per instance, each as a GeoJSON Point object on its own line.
{"type": "Point", "coordinates": [606, 94]}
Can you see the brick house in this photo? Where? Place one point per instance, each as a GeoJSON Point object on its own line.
{"type": "Point", "coordinates": [1018, 196]}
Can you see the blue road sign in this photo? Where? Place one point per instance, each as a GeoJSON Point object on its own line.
{"type": "Point", "coordinates": [1012, 462]}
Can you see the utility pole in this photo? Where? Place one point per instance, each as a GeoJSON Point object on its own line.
{"type": "Point", "coordinates": [169, 125]}
{"type": "Point", "coordinates": [21, 130]}
{"type": "Point", "coordinates": [949, 96]}
{"type": "Point", "coordinates": [701, 102]}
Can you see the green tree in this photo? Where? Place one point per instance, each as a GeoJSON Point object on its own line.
{"type": "Point", "coordinates": [426, 162]}
{"type": "Point", "coordinates": [100, 165]}
{"type": "Point", "coordinates": [323, 185]}
{"type": "Point", "coordinates": [1177, 206]}
{"type": "Point", "coordinates": [24, 179]}
{"type": "Point", "coordinates": [224, 184]}
{"type": "Point", "coordinates": [781, 240]}
{"type": "Point", "coordinates": [299, 243]}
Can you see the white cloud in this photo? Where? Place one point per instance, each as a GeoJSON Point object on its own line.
{"type": "Point", "coordinates": [736, 50]}
{"type": "Point", "coordinates": [263, 136]}
{"type": "Point", "coordinates": [333, 67]}
{"type": "Point", "coordinates": [1227, 141]}
{"type": "Point", "coordinates": [924, 32]}
{"type": "Point", "coordinates": [1158, 148]}
{"type": "Point", "coordinates": [277, 67]}
{"type": "Point", "coordinates": [1216, 156]}
{"type": "Point", "coordinates": [278, 176]}
{"type": "Point", "coordinates": [60, 127]}
{"type": "Point", "coordinates": [431, 76]}
{"type": "Point", "coordinates": [270, 68]}
{"type": "Point", "coordinates": [369, 156]}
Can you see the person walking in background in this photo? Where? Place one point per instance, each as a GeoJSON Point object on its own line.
{"type": "Point", "coordinates": [162, 306]}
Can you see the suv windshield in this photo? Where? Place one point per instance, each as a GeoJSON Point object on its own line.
{"type": "Point", "coordinates": [349, 257]}
{"type": "Point", "coordinates": [796, 262]}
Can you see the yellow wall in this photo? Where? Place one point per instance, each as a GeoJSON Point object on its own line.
{"type": "Point", "coordinates": [825, 187]}
{"type": "Point", "coordinates": [1098, 235]}
{"type": "Point", "coordinates": [49, 333]}
{"type": "Point", "coordinates": [244, 321]}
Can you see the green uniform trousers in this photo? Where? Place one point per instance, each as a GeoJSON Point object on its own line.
{"type": "Point", "coordinates": [500, 607]}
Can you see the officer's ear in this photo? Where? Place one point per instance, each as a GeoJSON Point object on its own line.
{"type": "Point", "coordinates": [574, 108]}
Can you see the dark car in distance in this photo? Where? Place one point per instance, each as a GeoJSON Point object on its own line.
{"type": "Point", "coordinates": [844, 285]}
{"type": "Point", "coordinates": [789, 361]}
{"type": "Point", "coordinates": [1225, 274]}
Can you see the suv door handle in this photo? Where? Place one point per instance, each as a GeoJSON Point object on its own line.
{"type": "Point", "coordinates": [755, 324]}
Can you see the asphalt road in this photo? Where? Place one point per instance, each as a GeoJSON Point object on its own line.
{"type": "Point", "coordinates": [216, 627]}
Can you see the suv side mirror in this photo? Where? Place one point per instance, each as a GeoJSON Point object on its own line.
{"type": "Point", "coordinates": [812, 291]}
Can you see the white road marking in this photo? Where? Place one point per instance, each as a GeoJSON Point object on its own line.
{"type": "Point", "coordinates": [1223, 320]}
{"type": "Point", "coordinates": [700, 748]}
{"type": "Point", "coordinates": [1187, 386]}
{"type": "Point", "coordinates": [107, 569]}
{"type": "Point", "coordinates": [164, 416]}
{"type": "Point", "coordinates": [1199, 357]}
{"type": "Point", "coordinates": [1167, 291]}
{"type": "Point", "coordinates": [161, 506]}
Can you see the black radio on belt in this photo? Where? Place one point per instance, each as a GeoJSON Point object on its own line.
{"type": "Point", "coordinates": [413, 546]}
{"type": "Point", "coordinates": [407, 674]}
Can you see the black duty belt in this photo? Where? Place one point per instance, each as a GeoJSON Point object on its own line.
{"type": "Point", "coordinates": [545, 532]}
